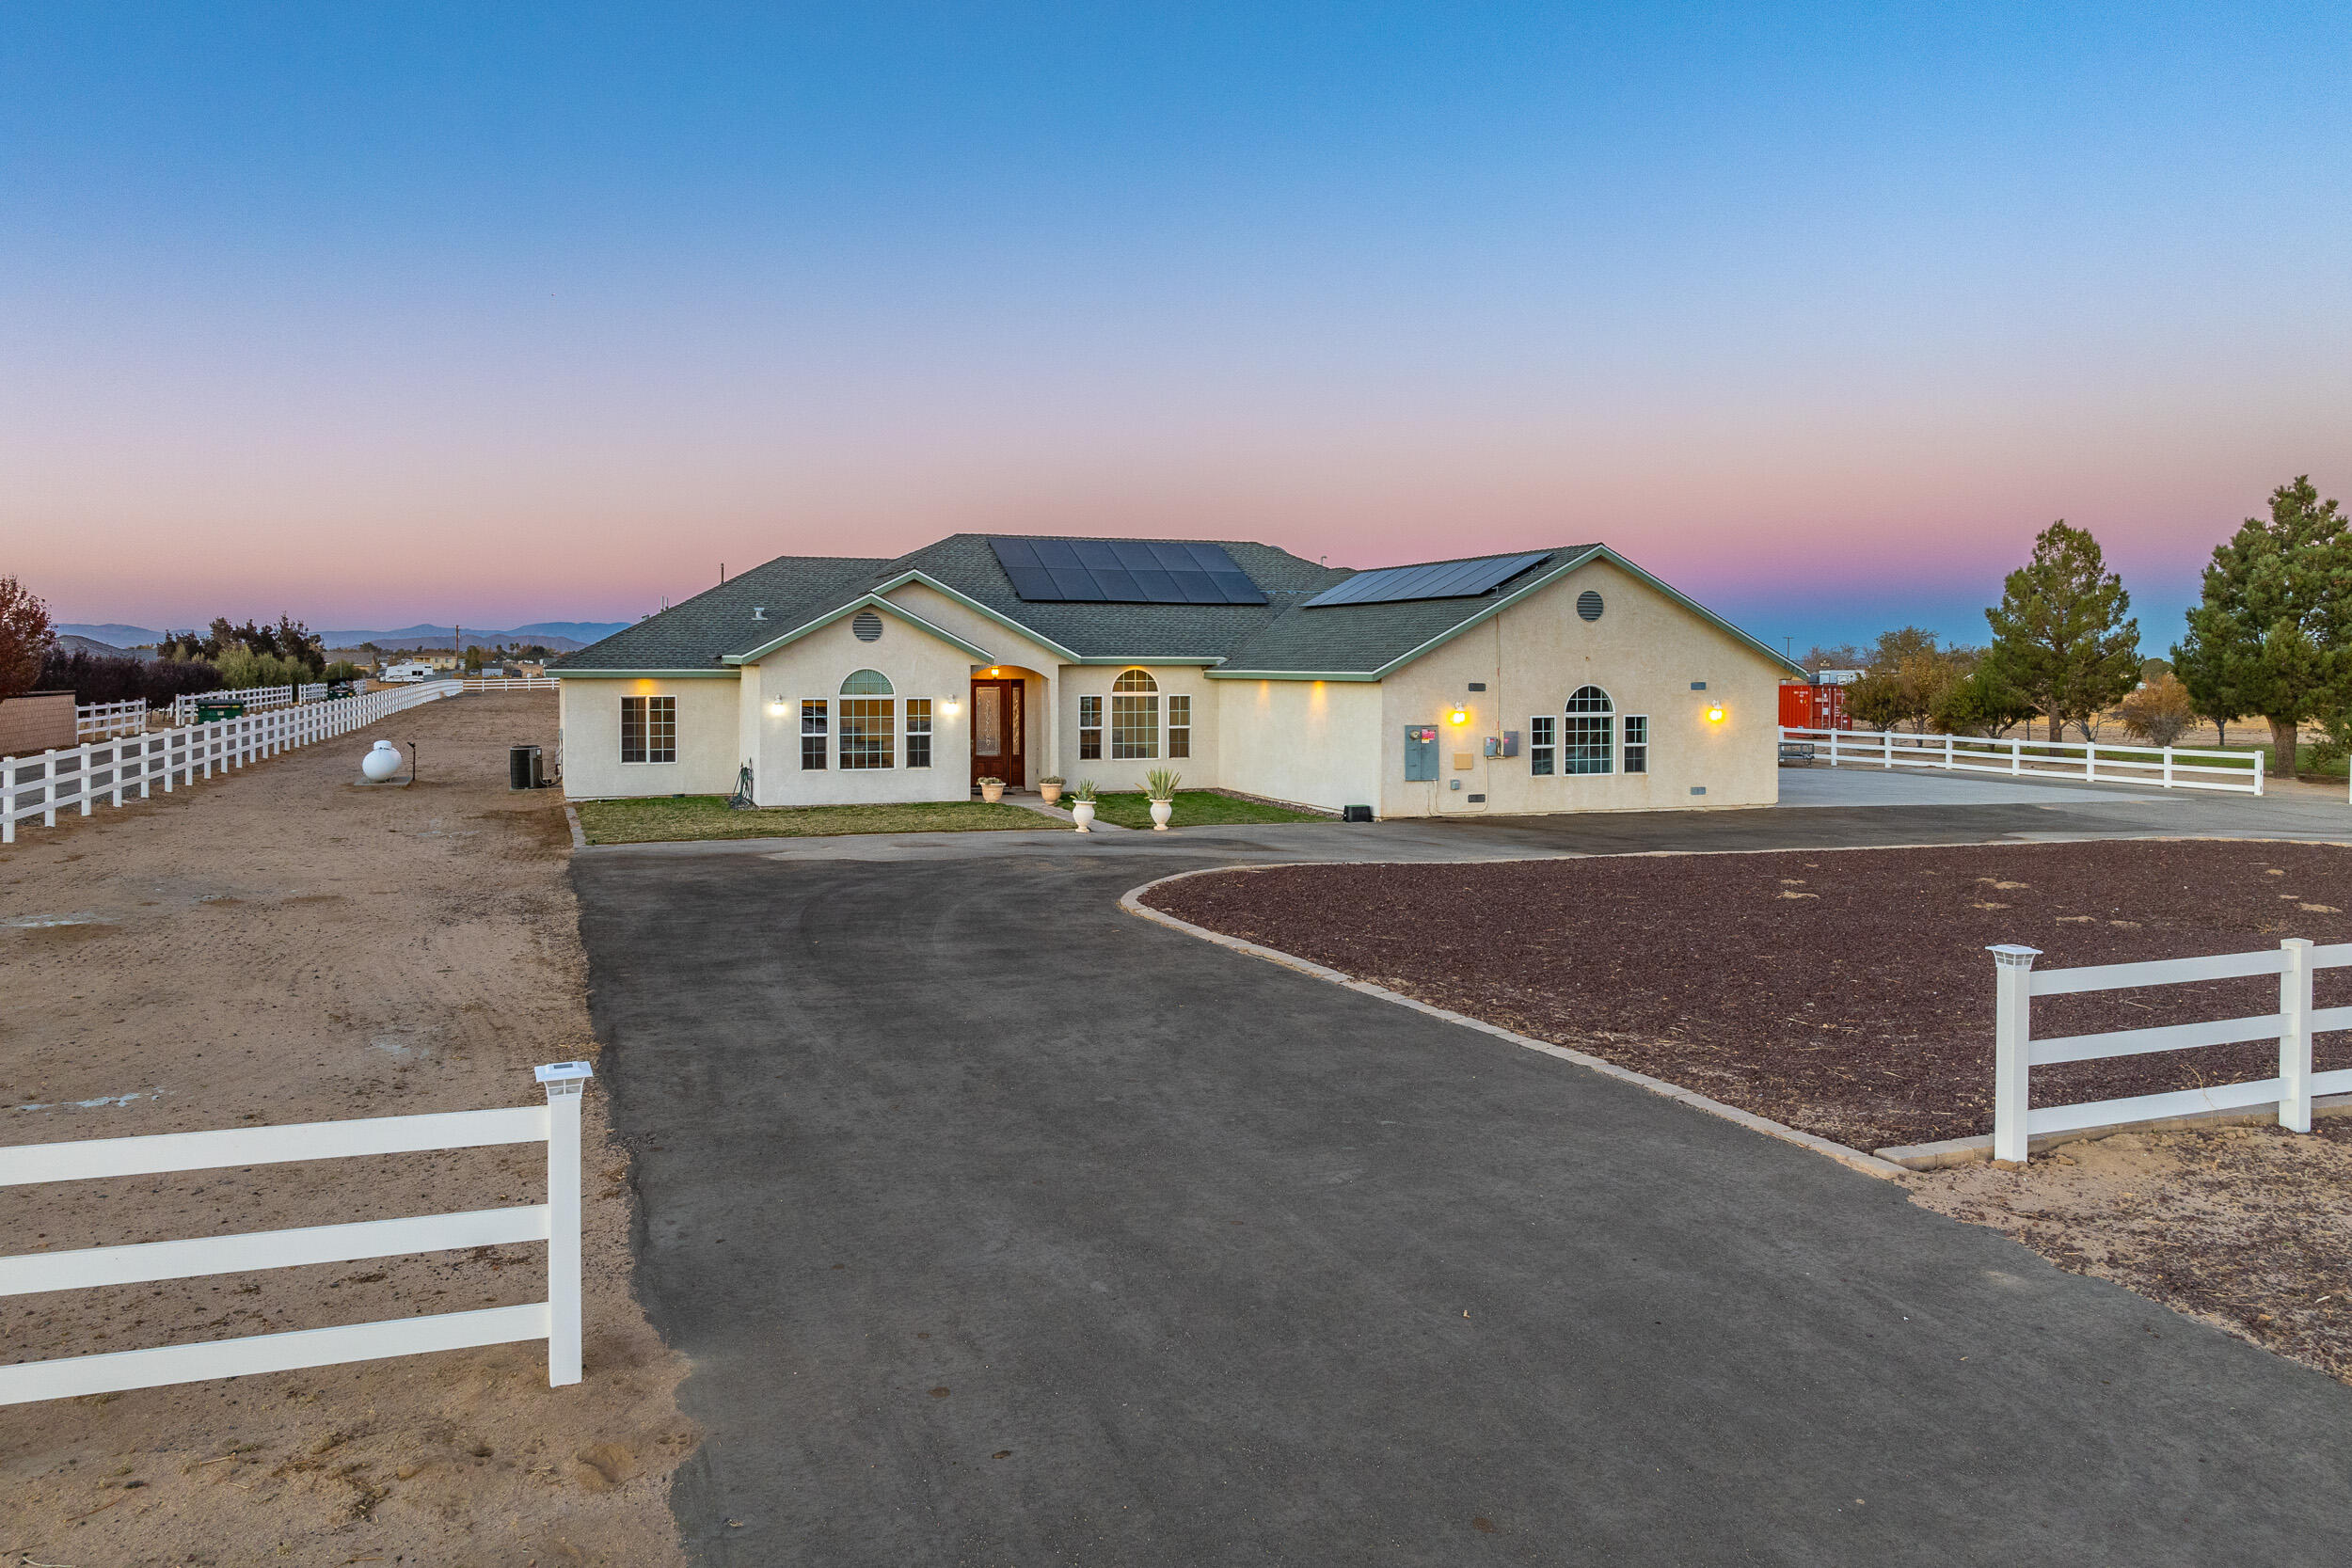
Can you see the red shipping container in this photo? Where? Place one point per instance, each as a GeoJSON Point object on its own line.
{"type": "Point", "coordinates": [1805, 706]}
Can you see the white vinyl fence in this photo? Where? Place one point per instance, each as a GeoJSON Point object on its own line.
{"type": "Point", "coordinates": [2016, 1053]}
{"type": "Point", "coordinates": [555, 1222]}
{"type": "Point", "coordinates": [253, 697]}
{"type": "Point", "coordinates": [43, 785]}
{"type": "Point", "coordinates": [511, 683]}
{"type": "Point", "coordinates": [2165, 766]}
{"type": "Point", "coordinates": [100, 719]}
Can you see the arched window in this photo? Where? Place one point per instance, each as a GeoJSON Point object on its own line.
{"type": "Point", "coordinates": [1135, 715]}
{"type": "Point", "coordinates": [1585, 741]}
{"type": "Point", "coordinates": [868, 730]}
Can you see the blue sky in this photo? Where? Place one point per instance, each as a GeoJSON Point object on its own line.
{"type": "Point", "coordinates": [1817, 311]}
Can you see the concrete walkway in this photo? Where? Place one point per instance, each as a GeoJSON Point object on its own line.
{"type": "Point", "coordinates": [1003, 1228]}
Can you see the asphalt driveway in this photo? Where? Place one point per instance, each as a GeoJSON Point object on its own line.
{"type": "Point", "coordinates": [1003, 1228]}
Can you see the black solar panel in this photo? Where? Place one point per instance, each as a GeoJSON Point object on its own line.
{"type": "Point", "coordinates": [1123, 571]}
{"type": "Point", "coordinates": [1446, 579]}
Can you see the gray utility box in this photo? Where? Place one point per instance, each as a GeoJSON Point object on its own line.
{"type": "Point", "coordinates": [1420, 753]}
{"type": "Point", "coordinates": [523, 770]}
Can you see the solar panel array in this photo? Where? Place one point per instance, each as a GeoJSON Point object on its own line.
{"type": "Point", "coordinates": [1447, 580]}
{"type": "Point", "coordinates": [1123, 571]}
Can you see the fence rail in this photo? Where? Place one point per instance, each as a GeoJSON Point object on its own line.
{"type": "Point", "coordinates": [2165, 766]}
{"type": "Point", "coordinates": [100, 721]}
{"type": "Point", "coordinates": [556, 1222]}
{"type": "Point", "coordinates": [511, 683]}
{"type": "Point", "coordinates": [2016, 1053]}
{"type": "Point", "coordinates": [45, 783]}
{"type": "Point", "coordinates": [253, 697]}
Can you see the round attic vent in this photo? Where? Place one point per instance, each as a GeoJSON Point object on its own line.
{"type": "Point", "coordinates": [866, 626]}
{"type": "Point", "coordinates": [1588, 605]}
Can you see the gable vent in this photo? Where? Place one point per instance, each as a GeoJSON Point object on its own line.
{"type": "Point", "coordinates": [1588, 605]}
{"type": "Point", "coordinates": [865, 627]}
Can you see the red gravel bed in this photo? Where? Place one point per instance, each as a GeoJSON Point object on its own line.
{"type": "Point", "coordinates": [1847, 992]}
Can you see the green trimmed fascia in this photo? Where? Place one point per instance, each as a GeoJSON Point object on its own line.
{"type": "Point", "coordinates": [870, 601]}
{"type": "Point", "coordinates": [1203, 660]}
{"type": "Point", "coordinates": [646, 674]}
{"type": "Point", "coordinates": [1598, 552]}
{"type": "Point", "coordinates": [1068, 656]}
{"type": "Point", "coordinates": [1295, 674]}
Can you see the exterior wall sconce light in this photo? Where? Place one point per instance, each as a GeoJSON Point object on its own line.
{"type": "Point", "coordinates": [1714, 713]}
{"type": "Point", "coordinates": [776, 708]}
{"type": "Point", "coordinates": [1461, 714]}
{"type": "Point", "coordinates": [949, 706]}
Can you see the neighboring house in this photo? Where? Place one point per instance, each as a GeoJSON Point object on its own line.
{"type": "Point", "coordinates": [1565, 679]}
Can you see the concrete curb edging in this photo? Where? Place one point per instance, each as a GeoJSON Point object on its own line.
{"type": "Point", "coordinates": [579, 834]}
{"type": "Point", "coordinates": [1853, 1159]}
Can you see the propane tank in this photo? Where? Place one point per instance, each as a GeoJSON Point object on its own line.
{"type": "Point", "coordinates": [382, 761]}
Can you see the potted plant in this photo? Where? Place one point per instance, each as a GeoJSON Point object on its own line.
{"type": "Point", "coordinates": [1082, 805]}
{"type": "Point", "coordinates": [1049, 787]}
{"type": "Point", "coordinates": [1161, 784]}
{"type": "Point", "coordinates": [992, 790]}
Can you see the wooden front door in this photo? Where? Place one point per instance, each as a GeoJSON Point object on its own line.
{"type": "Point", "coordinates": [999, 732]}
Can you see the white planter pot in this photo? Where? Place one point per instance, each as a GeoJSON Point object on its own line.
{"type": "Point", "coordinates": [1084, 812]}
{"type": "Point", "coordinates": [1161, 812]}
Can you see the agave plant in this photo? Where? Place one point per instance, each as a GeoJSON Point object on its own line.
{"type": "Point", "coordinates": [1084, 791]}
{"type": "Point", "coordinates": [1161, 782]}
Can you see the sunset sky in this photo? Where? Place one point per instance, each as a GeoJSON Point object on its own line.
{"type": "Point", "coordinates": [376, 315]}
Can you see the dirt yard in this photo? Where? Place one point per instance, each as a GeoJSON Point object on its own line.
{"type": "Point", "coordinates": [1847, 993]}
{"type": "Point", "coordinates": [280, 946]}
{"type": "Point", "coordinates": [2244, 1226]}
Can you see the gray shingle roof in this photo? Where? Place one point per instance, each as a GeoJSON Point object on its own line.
{"type": "Point", "coordinates": [694, 633]}
{"type": "Point", "coordinates": [1280, 636]}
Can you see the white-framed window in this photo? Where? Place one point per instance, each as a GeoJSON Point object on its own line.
{"type": "Point", "coordinates": [1636, 743]}
{"type": "Point", "coordinates": [649, 729]}
{"type": "Point", "coordinates": [918, 732]}
{"type": "Point", "coordinates": [1089, 729]}
{"type": "Point", "coordinates": [813, 731]}
{"type": "Point", "coordinates": [1587, 736]}
{"type": "Point", "coordinates": [868, 721]}
{"type": "Point", "coordinates": [1542, 736]}
{"type": "Point", "coordinates": [1179, 724]}
{"type": "Point", "coordinates": [1135, 715]}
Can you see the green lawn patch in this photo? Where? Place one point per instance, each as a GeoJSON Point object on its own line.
{"type": "Point", "coordinates": [1196, 808]}
{"type": "Point", "coordinates": [682, 817]}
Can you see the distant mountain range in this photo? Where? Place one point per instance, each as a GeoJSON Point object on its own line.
{"type": "Point", "coordinates": [563, 636]}
{"type": "Point", "coordinates": [112, 634]}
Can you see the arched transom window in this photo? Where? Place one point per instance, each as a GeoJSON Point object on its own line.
{"type": "Point", "coordinates": [868, 731]}
{"type": "Point", "coordinates": [1135, 715]}
{"type": "Point", "coordinates": [1586, 737]}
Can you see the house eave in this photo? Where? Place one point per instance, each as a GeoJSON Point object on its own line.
{"type": "Point", "coordinates": [873, 601]}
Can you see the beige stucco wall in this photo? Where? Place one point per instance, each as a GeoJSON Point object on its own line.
{"type": "Point", "coordinates": [707, 727]}
{"type": "Point", "coordinates": [1316, 743]}
{"type": "Point", "coordinates": [1199, 770]}
{"type": "Point", "coordinates": [1645, 651]}
{"type": "Point", "coordinates": [918, 664]}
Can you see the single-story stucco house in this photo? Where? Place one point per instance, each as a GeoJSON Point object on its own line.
{"type": "Point", "coordinates": [1564, 679]}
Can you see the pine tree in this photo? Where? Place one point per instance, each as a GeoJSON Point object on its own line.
{"type": "Point", "coordinates": [2060, 637]}
{"type": "Point", "coordinates": [2268, 638]}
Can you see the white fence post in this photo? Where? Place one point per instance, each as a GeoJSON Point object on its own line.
{"type": "Point", "coordinates": [2294, 1035]}
{"type": "Point", "coordinates": [564, 1081]}
{"type": "Point", "coordinates": [2012, 1038]}
{"type": "Point", "coordinates": [2258, 773]}
{"type": "Point", "coordinates": [7, 800]}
